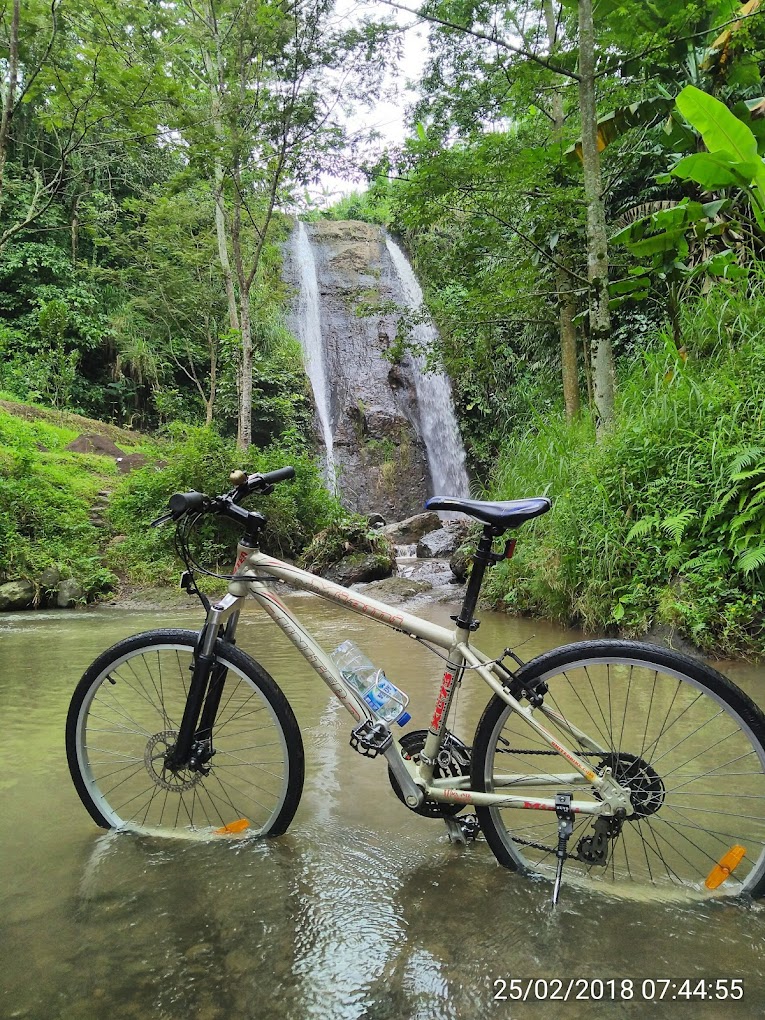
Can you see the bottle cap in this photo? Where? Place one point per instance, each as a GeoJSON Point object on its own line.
{"type": "Point", "coordinates": [403, 719]}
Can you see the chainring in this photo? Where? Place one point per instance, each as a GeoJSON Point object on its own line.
{"type": "Point", "coordinates": [411, 746]}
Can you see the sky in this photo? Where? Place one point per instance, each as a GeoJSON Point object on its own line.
{"type": "Point", "coordinates": [388, 116]}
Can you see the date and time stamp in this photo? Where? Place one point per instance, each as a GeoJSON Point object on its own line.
{"type": "Point", "coordinates": [617, 989]}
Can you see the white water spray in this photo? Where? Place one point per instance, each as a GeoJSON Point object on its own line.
{"type": "Point", "coordinates": [309, 334]}
{"type": "Point", "coordinates": [446, 455]}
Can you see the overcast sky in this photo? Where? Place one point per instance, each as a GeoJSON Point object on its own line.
{"type": "Point", "coordinates": [388, 115]}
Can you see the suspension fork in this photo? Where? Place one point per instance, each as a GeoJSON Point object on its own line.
{"type": "Point", "coordinates": [208, 679]}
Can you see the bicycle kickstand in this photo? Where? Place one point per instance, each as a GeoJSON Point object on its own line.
{"type": "Point", "coordinates": [565, 828]}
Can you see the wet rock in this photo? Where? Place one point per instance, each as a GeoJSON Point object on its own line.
{"type": "Point", "coordinates": [396, 589]}
{"type": "Point", "coordinates": [379, 452]}
{"type": "Point", "coordinates": [461, 561]}
{"type": "Point", "coordinates": [18, 594]}
{"type": "Point", "coordinates": [69, 593]}
{"type": "Point", "coordinates": [360, 567]}
{"type": "Point", "coordinates": [412, 528]}
{"type": "Point", "coordinates": [443, 542]}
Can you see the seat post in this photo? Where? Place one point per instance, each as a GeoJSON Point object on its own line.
{"type": "Point", "coordinates": [481, 560]}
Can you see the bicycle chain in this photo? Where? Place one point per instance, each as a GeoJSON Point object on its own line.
{"type": "Point", "coordinates": [524, 750]}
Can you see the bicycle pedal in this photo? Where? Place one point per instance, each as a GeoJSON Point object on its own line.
{"type": "Point", "coordinates": [463, 829]}
{"type": "Point", "coordinates": [371, 738]}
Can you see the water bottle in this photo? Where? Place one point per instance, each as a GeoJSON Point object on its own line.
{"type": "Point", "coordinates": [385, 700]}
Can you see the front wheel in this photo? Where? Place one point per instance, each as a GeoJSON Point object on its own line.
{"type": "Point", "coordinates": [684, 740]}
{"type": "Point", "coordinates": [123, 722]}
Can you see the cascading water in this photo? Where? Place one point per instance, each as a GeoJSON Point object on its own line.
{"type": "Point", "coordinates": [309, 334]}
{"type": "Point", "coordinates": [446, 455]}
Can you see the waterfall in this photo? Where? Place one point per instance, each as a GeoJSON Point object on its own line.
{"type": "Point", "coordinates": [309, 334]}
{"type": "Point", "coordinates": [438, 424]}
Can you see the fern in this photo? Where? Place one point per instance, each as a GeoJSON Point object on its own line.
{"type": "Point", "coordinates": [642, 527]}
{"type": "Point", "coordinates": [675, 526]}
{"type": "Point", "coordinates": [746, 457]}
{"type": "Point", "coordinates": [752, 559]}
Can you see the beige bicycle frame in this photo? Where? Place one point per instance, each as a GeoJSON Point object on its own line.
{"type": "Point", "coordinates": [255, 568]}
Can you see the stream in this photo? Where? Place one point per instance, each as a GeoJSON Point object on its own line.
{"type": "Point", "coordinates": [362, 909]}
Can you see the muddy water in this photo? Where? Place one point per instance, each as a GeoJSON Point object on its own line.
{"type": "Point", "coordinates": [362, 910]}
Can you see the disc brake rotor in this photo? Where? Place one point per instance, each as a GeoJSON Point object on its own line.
{"type": "Point", "coordinates": [154, 758]}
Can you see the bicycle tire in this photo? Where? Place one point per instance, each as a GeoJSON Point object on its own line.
{"type": "Point", "coordinates": [124, 715]}
{"type": "Point", "coordinates": [671, 728]}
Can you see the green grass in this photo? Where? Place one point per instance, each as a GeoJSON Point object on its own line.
{"type": "Point", "coordinates": [662, 521]}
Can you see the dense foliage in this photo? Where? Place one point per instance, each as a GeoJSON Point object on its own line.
{"type": "Point", "coordinates": [657, 513]}
{"type": "Point", "coordinates": [580, 192]}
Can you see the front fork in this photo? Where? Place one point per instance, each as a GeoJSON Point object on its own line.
{"type": "Point", "coordinates": [194, 747]}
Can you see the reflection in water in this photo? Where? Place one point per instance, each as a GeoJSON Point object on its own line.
{"type": "Point", "coordinates": [362, 910]}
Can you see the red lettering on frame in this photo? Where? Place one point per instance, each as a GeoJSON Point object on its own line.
{"type": "Point", "coordinates": [443, 697]}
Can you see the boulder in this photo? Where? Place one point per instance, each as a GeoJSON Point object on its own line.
{"type": "Point", "coordinates": [461, 560]}
{"type": "Point", "coordinates": [17, 594]}
{"type": "Point", "coordinates": [349, 551]}
{"type": "Point", "coordinates": [69, 593]}
{"type": "Point", "coordinates": [411, 529]}
{"type": "Point", "coordinates": [443, 542]}
{"type": "Point", "coordinates": [396, 589]}
{"type": "Point", "coordinates": [360, 566]}
{"type": "Point", "coordinates": [50, 577]}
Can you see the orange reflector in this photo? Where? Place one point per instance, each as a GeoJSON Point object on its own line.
{"type": "Point", "coordinates": [725, 866]}
{"type": "Point", "coordinates": [233, 827]}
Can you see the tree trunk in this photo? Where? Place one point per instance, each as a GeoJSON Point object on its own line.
{"type": "Point", "coordinates": [244, 427]}
{"type": "Point", "coordinates": [220, 232]}
{"type": "Point", "coordinates": [569, 366]}
{"type": "Point", "coordinates": [9, 97]}
{"type": "Point", "coordinates": [597, 242]}
{"type": "Point", "coordinates": [210, 402]}
{"type": "Point", "coordinates": [566, 299]}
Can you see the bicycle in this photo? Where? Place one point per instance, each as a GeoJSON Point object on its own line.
{"type": "Point", "coordinates": [632, 765]}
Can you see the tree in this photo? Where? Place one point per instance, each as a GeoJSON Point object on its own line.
{"type": "Point", "coordinates": [515, 36]}
{"type": "Point", "coordinates": [266, 84]}
{"type": "Point", "coordinates": [77, 70]}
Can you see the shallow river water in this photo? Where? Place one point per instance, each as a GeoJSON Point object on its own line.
{"type": "Point", "coordinates": [362, 909]}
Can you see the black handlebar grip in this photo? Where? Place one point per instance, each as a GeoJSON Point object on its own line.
{"type": "Point", "coordinates": [280, 475]}
{"type": "Point", "coordinates": [181, 502]}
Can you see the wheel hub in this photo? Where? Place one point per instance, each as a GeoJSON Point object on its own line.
{"type": "Point", "coordinates": [155, 758]}
{"type": "Point", "coordinates": [644, 784]}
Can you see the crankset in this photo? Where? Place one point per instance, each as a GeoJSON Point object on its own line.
{"type": "Point", "coordinates": [453, 761]}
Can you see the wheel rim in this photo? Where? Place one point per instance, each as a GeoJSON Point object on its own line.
{"type": "Point", "coordinates": [129, 720]}
{"type": "Point", "coordinates": [696, 768]}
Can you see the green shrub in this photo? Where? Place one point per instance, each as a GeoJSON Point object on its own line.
{"type": "Point", "coordinates": [663, 519]}
{"type": "Point", "coordinates": [200, 459]}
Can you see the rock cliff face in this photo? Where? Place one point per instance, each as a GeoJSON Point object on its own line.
{"type": "Point", "coordinates": [378, 449]}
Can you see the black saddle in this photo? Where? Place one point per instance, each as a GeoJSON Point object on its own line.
{"type": "Point", "coordinates": [502, 516]}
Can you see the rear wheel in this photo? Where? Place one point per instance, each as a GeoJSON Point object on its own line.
{"type": "Point", "coordinates": [123, 721]}
{"type": "Point", "coordinates": [685, 741]}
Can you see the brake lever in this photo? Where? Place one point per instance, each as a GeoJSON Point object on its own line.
{"type": "Point", "coordinates": [161, 520]}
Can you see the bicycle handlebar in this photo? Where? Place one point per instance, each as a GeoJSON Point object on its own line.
{"type": "Point", "coordinates": [181, 503]}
